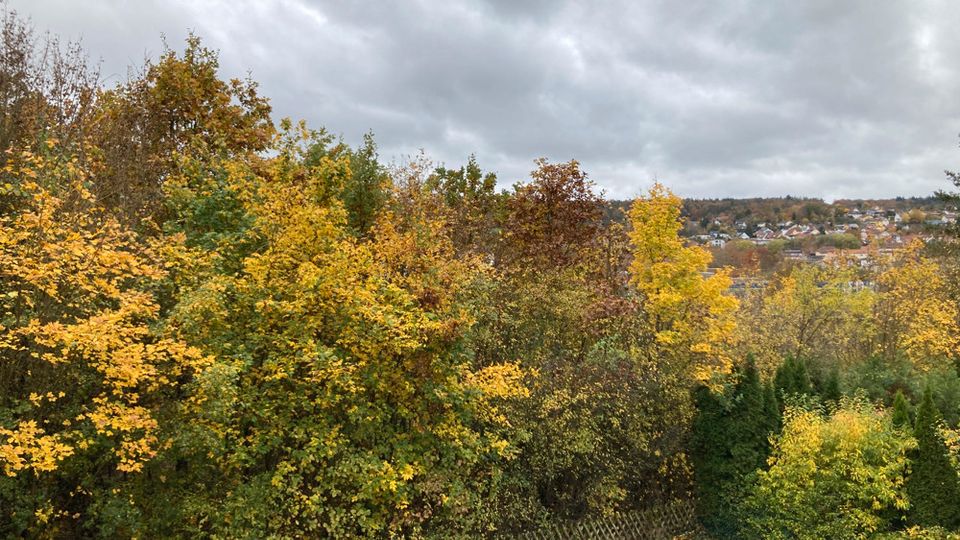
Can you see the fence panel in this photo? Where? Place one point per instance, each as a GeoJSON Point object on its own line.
{"type": "Point", "coordinates": [674, 520]}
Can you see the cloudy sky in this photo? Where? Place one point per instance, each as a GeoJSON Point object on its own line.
{"type": "Point", "coordinates": [737, 98]}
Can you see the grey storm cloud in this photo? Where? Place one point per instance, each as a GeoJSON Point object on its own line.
{"type": "Point", "coordinates": [738, 98]}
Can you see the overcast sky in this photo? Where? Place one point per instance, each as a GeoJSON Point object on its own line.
{"type": "Point", "coordinates": [739, 98]}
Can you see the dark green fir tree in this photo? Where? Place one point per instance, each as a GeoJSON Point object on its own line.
{"type": "Point", "coordinates": [730, 444]}
{"type": "Point", "coordinates": [711, 464]}
{"type": "Point", "coordinates": [367, 189]}
{"type": "Point", "coordinates": [771, 407]}
{"type": "Point", "coordinates": [933, 486]}
{"type": "Point", "coordinates": [792, 377]}
{"type": "Point", "coordinates": [749, 422]}
{"type": "Point", "coordinates": [831, 387]}
{"type": "Point", "coordinates": [901, 411]}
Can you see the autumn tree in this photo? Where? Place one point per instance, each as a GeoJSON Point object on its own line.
{"type": "Point", "coordinates": [840, 476]}
{"type": "Point", "coordinates": [391, 432]}
{"type": "Point", "coordinates": [179, 105]}
{"type": "Point", "coordinates": [86, 369]}
{"type": "Point", "coordinates": [914, 316]}
{"type": "Point", "coordinates": [476, 210]}
{"type": "Point", "coordinates": [818, 315]}
{"type": "Point", "coordinates": [48, 89]}
{"type": "Point", "coordinates": [552, 218]}
{"type": "Point", "coordinates": [685, 313]}
{"type": "Point", "coordinates": [623, 411]}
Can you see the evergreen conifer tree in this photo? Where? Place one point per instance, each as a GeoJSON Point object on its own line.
{"type": "Point", "coordinates": [783, 378]}
{"type": "Point", "coordinates": [792, 377]}
{"type": "Point", "coordinates": [750, 435]}
{"type": "Point", "coordinates": [801, 378]}
{"type": "Point", "coordinates": [710, 456]}
{"type": "Point", "coordinates": [749, 422]}
{"type": "Point", "coordinates": [831, 387]}
{"type": "Point", "coordinates": [933, 486]}
{"type": "Point", "coordinates": [771, 406]}
{"type": "Point", "coordinates": [901, 411]}
{"type": "Point", "coordinates": [729, 446]}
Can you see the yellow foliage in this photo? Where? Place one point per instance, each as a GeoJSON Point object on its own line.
{"type": "Point", "coordinates": [811, 312]}
{"type": "Point", "coordinates": [914, 313]}
{"type": "Point", "coordinates": [73, 311]}
{"type": "Point", "coordinates": [28, 446]}
{"type": "Point", "coordinates": [364, 333]}
{"type": "Point", "coordinates": [500, 381]}
{"type": "Point", "coordinates": [686, 312]}
{"type": "Point", "coordinates": [831, 477]}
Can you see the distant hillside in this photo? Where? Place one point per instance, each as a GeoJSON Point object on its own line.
{"type": "Point", "coordinates": [750, 212]}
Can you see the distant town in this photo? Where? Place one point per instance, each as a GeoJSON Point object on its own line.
{"type": "Point", "coordinates": [761, 234]}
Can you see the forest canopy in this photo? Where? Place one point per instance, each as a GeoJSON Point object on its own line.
{"type": "Point", "coordinates": [215, 323]}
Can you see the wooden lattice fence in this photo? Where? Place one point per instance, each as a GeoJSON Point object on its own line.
{"type": "Point", "coordinates": [674, 520]}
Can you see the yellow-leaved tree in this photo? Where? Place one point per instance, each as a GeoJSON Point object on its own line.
{"type": "Point", "coordinates": [839, 476]}
{"type": "Point", "coordinates": [341, 401]}
{"type": "Point", "coordinates": [914, 313]}
{"type": "Point", "coordinates": [81, 364]}
{"type": "Point", "coordinates": [688, 315]}
{"type": "Point", "coordinates": [816, 313]}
